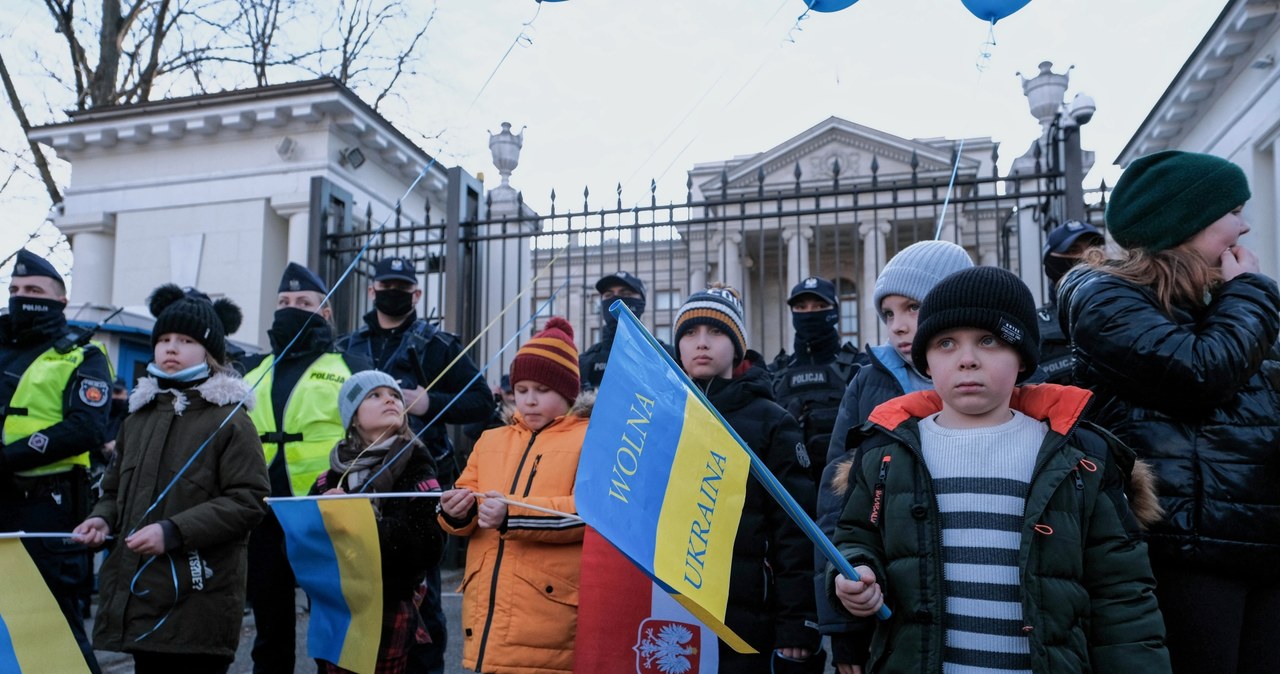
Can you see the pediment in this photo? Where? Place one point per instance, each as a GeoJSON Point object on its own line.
{"type": "Point", "coordinates": [816, 151]}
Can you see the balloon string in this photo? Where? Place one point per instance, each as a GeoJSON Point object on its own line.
{"type": "Point", "coordinates": [462, 352]}
{"type": "Point", "coordinates": [390, 462]}
{"type": "Point", "coordinates": [983, 62]}
{"type": "Point", "coordinates": [522, 37]}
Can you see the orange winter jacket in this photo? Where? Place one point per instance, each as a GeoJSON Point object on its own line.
{"type": "Point", "coordinates": [520, 589]}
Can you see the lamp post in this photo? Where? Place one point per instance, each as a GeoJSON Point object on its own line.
{"type": "Point", "coordinates": [1060, 132]}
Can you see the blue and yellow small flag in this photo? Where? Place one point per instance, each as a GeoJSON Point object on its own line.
{"type": "Point", "coordinates": [333, 548]}
{"type": "Point", "coordinates": [34, 634]}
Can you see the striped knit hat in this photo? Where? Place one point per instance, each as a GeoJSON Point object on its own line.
{"type": "Point", "coordinates": [550, 358]}
{"type": "Point", "coordinates": [717, 307]}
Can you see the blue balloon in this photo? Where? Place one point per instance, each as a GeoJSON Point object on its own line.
{"type": "Point", "coordinates": [828, 5]}
{"type": "Point", "coordinates": [993, 10]}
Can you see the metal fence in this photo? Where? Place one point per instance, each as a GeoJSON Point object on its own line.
{"type": "Point", "coordinates": [762, 237]}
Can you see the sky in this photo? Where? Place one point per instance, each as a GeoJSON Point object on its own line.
{"type": "Point", "coordinates": [625, 91]}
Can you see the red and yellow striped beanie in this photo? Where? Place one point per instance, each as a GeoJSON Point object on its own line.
{"type": "Point", "coordinates": [550, 358]}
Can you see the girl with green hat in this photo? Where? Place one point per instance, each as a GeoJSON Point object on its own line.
{"type": "Point", "coordinates": [1175, 335]}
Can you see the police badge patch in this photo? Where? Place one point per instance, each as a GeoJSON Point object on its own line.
{"type": "Point", "coordinates": [94, 392]}
{"type": "Point", "coordinates": [802, 455]}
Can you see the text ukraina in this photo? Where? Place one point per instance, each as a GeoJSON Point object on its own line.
{"type": "Point", "coordinates": [700, 529]}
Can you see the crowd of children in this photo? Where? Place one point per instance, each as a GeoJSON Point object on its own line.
{"type": "Point", "coordinates": [1127, 523]}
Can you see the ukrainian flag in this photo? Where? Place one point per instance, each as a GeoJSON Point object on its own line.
{"type": "Point", "coordinates": [332, 546]}
{"type": "Point", "coordinates": [34, 635]}
{"type": "Point", "coordinates": [663, 477]}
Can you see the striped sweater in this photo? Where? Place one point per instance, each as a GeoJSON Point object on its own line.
{"type": "Point", "coordinates": [981, 477]}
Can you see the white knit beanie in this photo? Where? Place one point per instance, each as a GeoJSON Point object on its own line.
{"type": "Point", "coordinates": [916, 269]}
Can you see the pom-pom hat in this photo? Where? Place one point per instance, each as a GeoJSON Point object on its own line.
{"type": "Point", "coordinates": [189, 312]}
{"type": "Point", "coordinates": [550, 358]}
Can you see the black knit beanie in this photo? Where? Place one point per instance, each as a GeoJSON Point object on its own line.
{"type": "Point", "coordinates": [987, 298]}
{"type": "Point", "coordinates": [1165, 198]}
{"type": "Point", "coordinates": [189, 312]}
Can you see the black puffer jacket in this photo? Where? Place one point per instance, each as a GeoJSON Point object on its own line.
{"type": "Point", "coordinates": [771, 602]}
{"type": "Point", "coordinates": [1196, 396]}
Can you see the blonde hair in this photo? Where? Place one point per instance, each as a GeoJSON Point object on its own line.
{"type": "Point", "coordinates": [1178, 276]}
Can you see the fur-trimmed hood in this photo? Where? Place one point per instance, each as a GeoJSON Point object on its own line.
{"type": "Point", "coordinates": [220, 389]}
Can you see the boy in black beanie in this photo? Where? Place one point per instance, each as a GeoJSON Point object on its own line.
{"type": "Point", "coordinates": [988, 516]}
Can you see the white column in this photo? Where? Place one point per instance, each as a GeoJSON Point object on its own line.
{"type": "Point", "coordinates": [94, 263]}
{"type": "Point", "coordinates": [697, 278]}
{"type": "Point", "coordinates": [93, 244]}
{"type": "Point", "coordinates": [873, 258]}
{"type": "Point", "coordinates": [796, 238]}
{"type": "Point", "coordinates": [296, 209]}
{"type": "Point", "coordinates": [299, 236]}
{"type": "Point", "coordinates": [731, 260]}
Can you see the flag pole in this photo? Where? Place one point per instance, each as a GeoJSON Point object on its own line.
{"type": "Point", "coordinates": [758, 469]}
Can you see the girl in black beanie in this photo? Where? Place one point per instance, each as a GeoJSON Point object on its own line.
{"type": "Point", "coordinates": [1175, 335]}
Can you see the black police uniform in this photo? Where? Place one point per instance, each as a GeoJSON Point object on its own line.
{"type": "Point", "coordinates": [1055, 347]}
{"type": "Point", "coordinates": [40, 488]}
{"type": "Point", "coordinates": [811, 383]}
{"type": "Point", "coordinates": [415, 353]}
{"type": "Point", "coordinates": [810, 386]}
{"type": "Point", "coordinates": [271, 582]}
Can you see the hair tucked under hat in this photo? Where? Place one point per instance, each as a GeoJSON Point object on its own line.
{"type": "Point", "coordinates": [189, 312]}
{"type": "Point", "coordinates": [917, 268]}
{"type": "Point", "coordinates": [1165, 198]}
{"type": "Point", "coordinates": [550, 358]}
{"type": "Point", "coordinates": [719, 307]}
{"type": "Point", "coordinates": [987, 298]}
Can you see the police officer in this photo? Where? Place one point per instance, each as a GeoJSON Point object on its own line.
{"type": "Point", "coordinates": [1063, 248]}
{"type": "Point", "coordinates": [419, 354]}
{"type": "Point", "coordinates": [55, 396]}
{"type": "Point", "coordinates": [810, 383]}
{"type": "Point", "coordinates": [617, 286]}
{"type": "Point", "coordinates": [296, 413]}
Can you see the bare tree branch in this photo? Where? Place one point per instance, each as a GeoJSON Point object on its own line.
{"type": "Point", "coordinates": [46, 176]}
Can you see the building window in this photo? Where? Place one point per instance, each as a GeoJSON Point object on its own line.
{"type": "Point", "coordinates": [666, 300]}
{"type": "Point", "coordinates": [848, 293]}
{"type": "Point", "coordinates": [663, 333]}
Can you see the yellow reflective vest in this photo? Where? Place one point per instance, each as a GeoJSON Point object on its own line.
{"type": "Point", "coordinates": [40, 392]}
{"type": "Point", "coordinates": [312, 425]}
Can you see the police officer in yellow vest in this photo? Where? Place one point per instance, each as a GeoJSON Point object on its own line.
{"type": "Point", "coordinates": [54, 401]}
{"type": "Point", "coordinates": [297, 387]}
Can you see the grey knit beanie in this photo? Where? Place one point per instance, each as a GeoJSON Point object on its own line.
{"type": "Point", "coordinates": [916, 269]}
{"type": "Point", "coordinates": [357, 388]}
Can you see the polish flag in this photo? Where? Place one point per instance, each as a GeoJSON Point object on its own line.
{"type": "Point", "coordinates": [625, 621]}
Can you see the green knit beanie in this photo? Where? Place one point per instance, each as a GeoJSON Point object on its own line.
{"type": "Point", "coordinates": [1165, 198]}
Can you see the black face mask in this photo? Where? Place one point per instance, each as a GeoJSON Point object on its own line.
{"type": "Point", "coordinates": [1057, 267]}
{"type": "Point", "coordinates": [635, 304]}
{"type": "Point", "coordinates": [812, 325]}
{"type": "Point", "coordinates": [290, 322]}
{"type": "Point", "coordinates": [393, 302]}
{"type": "Point", "coordinates": [27, 313]}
